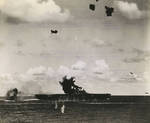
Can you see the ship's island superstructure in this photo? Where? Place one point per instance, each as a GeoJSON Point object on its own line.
{"type": "Point", "coordinates": [73, 93]}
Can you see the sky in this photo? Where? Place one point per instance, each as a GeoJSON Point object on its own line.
{"type": "Point", "coordinates": [100, 51]}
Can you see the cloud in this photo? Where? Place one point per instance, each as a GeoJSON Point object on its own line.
{"type": "Point", "coordinates": [131, 77]}
{"type": "Point", "coordinates": [146, 76]}
{"type": "Point", "coordinates": [63, 70]}
{"type": "Point", "coordinates": [41, 70]}
{"type": "Point", "coordinates": [20, 53]}
{"type": "Point", "coordinates": [50, 72]}
{"type": "Point", "coordinates": [13, 20]}
{"type": "Point", "coordinates": [129, 10]}
{"type": "Point", "coordinates": [33, 10]}
{"type": "Point", "coordinates": [37, 70]}
{"type": "Point", "coordinates": [98, 43]}
{"type": "Point", "coordinates": [120, 50]}
{"type": "Point", "coordinates": [135, 59]}
{"type": "Point", "coordinates": [39, 80]}
{"type": "Point", "coordinates": [102, 70]}
{"type": "Point", "coordinates": [80, 65]}
{"type": "Point", "coordinates": [101, 67]}
{"type": "Point", "coordinates": [138, 51]}
{"type": "Point", "coordinates": [66, 71]}
{"type": "Point", "coordinates": [45, 54]}
{"type": "Point", "coordinates": [138, 56]}
{"type": "Point", "coordinates": [42, 79]}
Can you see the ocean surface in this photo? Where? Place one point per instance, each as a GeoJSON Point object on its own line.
{"type": "Point", "coordinates": [37, 111]}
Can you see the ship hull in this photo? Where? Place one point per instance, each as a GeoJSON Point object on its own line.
{"type": "Point", "coordinates": [74, 97]}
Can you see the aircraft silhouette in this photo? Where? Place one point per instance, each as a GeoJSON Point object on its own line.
{"type": "Point", "coordinates": [109, 10]}
{"type": "Point", "coordinates": [92, 7]}
{"type": "Point", "coordinates": [54, 31]}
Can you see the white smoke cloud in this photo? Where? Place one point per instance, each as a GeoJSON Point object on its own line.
{"type": "Point", "coordinates": [7, 82]}
{"type": "Point", "coordinates": [129, 10]}
{"type": "Point", "coordinates": [36, 80]}
{"type": "Point", "coordinates": [80, 65]}
{"type": "Point", "coordinates": [34, 10]}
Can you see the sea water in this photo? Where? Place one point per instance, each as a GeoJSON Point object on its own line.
{"type": "Point", "coordinates": [36, 111]}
